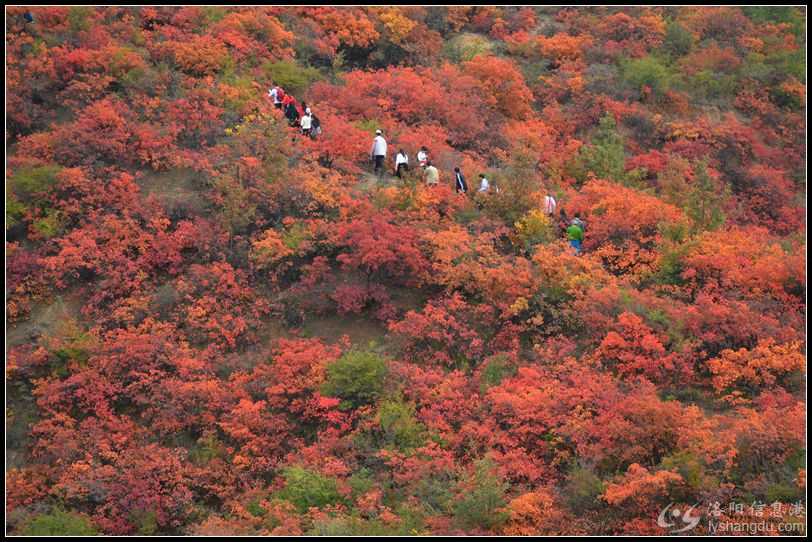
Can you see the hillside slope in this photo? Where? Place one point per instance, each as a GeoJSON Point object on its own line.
{"type": "Point", "coordinates": [217, 325]}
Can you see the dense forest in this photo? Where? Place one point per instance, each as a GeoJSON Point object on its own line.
{"type": "Point", "coordinates": [219, 325]}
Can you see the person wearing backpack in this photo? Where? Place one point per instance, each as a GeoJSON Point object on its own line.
{"type": "Point", "coordinates": [459, 182]}
{"type": "Point", "coordinates": [575, 235]}
{"type": "Point", "coordinates": [579, 222]}
{"type": "Point", "coordinates": [273, 93]}
{"type": "Point", "coordinates": [401, 163]}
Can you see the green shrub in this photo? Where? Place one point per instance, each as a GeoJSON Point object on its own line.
{"type": "Point", "coordinates": [678, 40]}
{"type": "Point", "coordinates": [255, 508]}
{"type": "Point", "coordinates": [481, 500]}
{"type": "Point", "coordinates": [50, 225]}
{"type": "Point", "coordinates": [146, 522]}
{"type": "Point", "coordinates": [466, 46]}
{"type": "Point", "coordinates": [357, 378]}
{"type": "Point", "coordinates": [295, 235]}
{"type": "Point", "coordinates": [208, 447]}
{"type": "Point", "coordinates": [704, 202]}
{"type": "Point", "coordinates": [692, 470]}
{"type": "Point", "coordinates": [782, 492]}
{"type": "Point", "coordinates": [496, 369]}
{"type": "Point", "coordinates": [15, 210]}
{"type": "Point", "coordinates": [605, 156]}
{"type": "Point", "coordinates": [792, 15]}
{"type": "Point", "coordinates": [79, 18]}
{"type": "Point", "coordinates": [59, 522]}
{"type": "Point", "coordinates": [29, 181]}
{"type": "Point", "coordinates": [361, 482]}
{"type": "Point", "coordinates": [582, 489]}
{"type": "Point", "coordinates": [305, 489]}
{"type": "Point", "coordinates": [399, 426]}
{"type": "Point", "coordinates": [435, 492]}
{"type": "Point", "coordinates": [647, 71]}
{"type": "Point", "coordinates": [239, 207]}
{"type": "Point", "coordinates": [411, 523]}
{"type": "Point", "coordinates": [512, 201]}
{"type": "Point", "coordinates": [245, 91]}
{"type": "Point", "coordinates": [710, 85]}
{"type": "Point", "coordinates": [367, 125]}
{"type": "Point", "coordinates": [295, 79]}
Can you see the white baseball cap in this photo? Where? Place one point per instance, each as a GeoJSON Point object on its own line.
{"type": "Point", "coordinates": [378, 132]}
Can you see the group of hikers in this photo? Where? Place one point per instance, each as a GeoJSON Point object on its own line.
{"type": "Point", "coordinates": [573, 229]}
{"type": "Point", "coordinates": [431, 174]}
{"type": "Point", "coordinates": [300, 115]}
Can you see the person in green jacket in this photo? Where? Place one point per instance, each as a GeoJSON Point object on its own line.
{"type": "Point", "coordinates": [575, 234]}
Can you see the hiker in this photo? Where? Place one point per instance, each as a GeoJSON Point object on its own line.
{"type": "Point", "coordinates": [432, 175]}
{"type": "Point", "coordinates": [549, 204]}
{"type": "Point", "coordinates": [459, 182]}
{"type": "Point", "coordinates": [578, 222]}
{"type": "Point", "coordinates": [273, 93]}
{"type": "Point", "coordinates": [306, 122]}
{"type": "Point", "coordinates": [291, 112]}
{"type": "Point", "coordinates": [423, 156]}
{"type": "Point", "coordinates": [401, 163]}
{"type": "Point", "coordinates": [484, 184]}
{"type": "Point", "coordinates": [315, 126]}
{"type": "Point", "coordinates": [575, 235]}
{"type": "Point", "coordinates": [378, 152]}
{"type": "Point", "coordinates": [28, 16]}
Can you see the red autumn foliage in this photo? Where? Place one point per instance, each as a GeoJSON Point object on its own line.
{"type": "Point", "coordinates": [187, 274]}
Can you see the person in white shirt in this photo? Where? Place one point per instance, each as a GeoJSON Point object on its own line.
{"type": "Point", "coordinates": [401, 163]}
{"type": "Point", "coordinates": [484, 184]}
{"type": "Point", "coordinates": [549, 204]}
{"type": "Point", "coordinates": [423, 156]}
{"type": "Point", "coordinates": [306, 122]}
{"type": "Point", "coordinates": [273, 93]}
{"type": "Point", "coordinates": [378, 152]}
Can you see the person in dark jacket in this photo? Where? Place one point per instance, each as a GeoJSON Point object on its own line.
{"type": "Point", "coordinates": [459, 182]}
{"type": "Point", "coordinates": [291, 110]}
{"type": "Point", "coordinates": [292, 113]}
{"type": "Point", "coordinates": [315, 127]}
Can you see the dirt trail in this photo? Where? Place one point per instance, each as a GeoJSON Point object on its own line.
{"type": "Point", "coordinates": [361, 329]}
{"type": "Point", "coordinates": [369, 182]}
{"type": "Point", "coordinates": [175, 189]}
{"type": "Point", "coordinates": [45, 318]}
